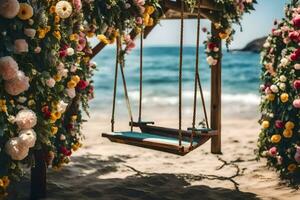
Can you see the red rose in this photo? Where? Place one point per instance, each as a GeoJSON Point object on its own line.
{"type": "Point", "coordinates": [296, 21]}
{"type": "Point", "coordinates": [82, 85]}
{"type": "Point", "coordinates": [279, 124]}
{"type": "Point", "coordinates": [70, 127]}
{"type": "Point", "coordinates": [297, 84]}
{"type": "Point", "coordinates": [65, 151]}
{"type": "Point", "coordinates": [294, 36]}
{"type": "Point", "coordinates": [211, 45]}
{"type": "Point", "coordinates": [293, 57]}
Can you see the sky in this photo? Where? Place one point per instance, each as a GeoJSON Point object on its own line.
{"type": "Point", "coordinates": [257, 24]}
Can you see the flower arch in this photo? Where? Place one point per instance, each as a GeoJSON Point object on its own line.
{"type": "Point", "coordinates": [279, 139]}
{"type": "Point", "coordinates": [46, 69]}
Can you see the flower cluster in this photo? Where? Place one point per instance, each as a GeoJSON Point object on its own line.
{"type": "Point", "coordinates": [231, 13]}
{"type": "Point", "coordinates": [279, 139]}
{"type": "Point", "coordinates": [45, 70]}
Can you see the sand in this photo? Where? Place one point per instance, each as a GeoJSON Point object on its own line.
{"type": "Point", "coordinates": [105, 170]}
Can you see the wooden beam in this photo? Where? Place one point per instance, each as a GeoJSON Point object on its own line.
{"type": "Point", "coordinates": [216, 97]}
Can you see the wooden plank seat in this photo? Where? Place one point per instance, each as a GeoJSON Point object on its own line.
{"type": "Point", "coordinates": [155, 142]}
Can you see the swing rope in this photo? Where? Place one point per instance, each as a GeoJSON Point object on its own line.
{"type": "Point", "coordinates": [196, 77]}
{"type": "Point", "coordinates": [180, 75]}
{"type": "Point", "coordinates": [141, 75]}
{"type": "Point", "coordinates": [115, 87]}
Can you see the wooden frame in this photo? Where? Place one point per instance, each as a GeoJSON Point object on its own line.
{"type": "Point", "coordinates": [170, 8]}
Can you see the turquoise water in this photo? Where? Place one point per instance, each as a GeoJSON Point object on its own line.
{"type": "Point", "coordinates": [240, 76]}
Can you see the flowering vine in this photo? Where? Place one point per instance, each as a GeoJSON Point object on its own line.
{"type": "Point", "coordinates": [279, 139]}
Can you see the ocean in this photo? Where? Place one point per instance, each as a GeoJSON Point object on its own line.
{"type": "Point", "coordinates": [240, 79]}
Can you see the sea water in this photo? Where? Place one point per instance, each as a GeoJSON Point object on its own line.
{"type": "Point", "coordinates": [240, 79]}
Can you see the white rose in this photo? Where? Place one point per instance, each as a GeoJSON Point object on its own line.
{"type": "Point", "coordinates": [282, 78]}
{"type": "Point", "coordinates": [15, 149]}
{"type": "Point", "coordinates": [62, 106]}
{"type": "Point", "coordinates": [27, 137]}
{"type": "Point", "coordinates": [71, 93]}
{"type": "Point", "coordinates": [297, 66]}
{"type": "Point", "coordinates": [282, 86]}
{"type": "Point", "coordinates": [30, 32]}
{"type": "Point", "coordinates": [216, 49]}
{"type": "Point", "coordinates": [267, 45]}
{"type": "Point", "coordinates": [50, 82]}
{"type": "Point", "coordinates": [22, 99]}
{"type": "Point", "coordinates": [62, 137]}
{"type": "Point", "coordinates": [70, 51]}
{"type": "Point", "coordinates": [211, 61]}
{"type": "Point", "coordinates": [284, 62]}
{"type": "Point", "coordinates": [274, 88]}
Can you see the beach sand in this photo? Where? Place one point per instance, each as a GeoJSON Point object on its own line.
{"type": "Point", "coordinates": [105, 170]}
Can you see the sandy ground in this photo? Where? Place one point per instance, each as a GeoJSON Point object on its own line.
{"type": "Point", "coordinates": [104, 170]}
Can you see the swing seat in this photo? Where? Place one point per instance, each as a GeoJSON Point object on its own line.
{"type": "Point", "coordinates": [162, 142]}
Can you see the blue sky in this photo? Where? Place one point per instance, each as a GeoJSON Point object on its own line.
{"type": "Point", "coordinates": [258, 23]}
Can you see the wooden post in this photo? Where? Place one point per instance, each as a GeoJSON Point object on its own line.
{"type": "Point", "coordinates": [216, 97]}
{"type": "Point", "coordinates": [38, 176]}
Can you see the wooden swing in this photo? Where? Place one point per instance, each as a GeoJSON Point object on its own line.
{"type": "Point", "coordinates": [171, 140]}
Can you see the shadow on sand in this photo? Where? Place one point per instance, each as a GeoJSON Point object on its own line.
{"type": "Point", "coordinates": [83, 180]}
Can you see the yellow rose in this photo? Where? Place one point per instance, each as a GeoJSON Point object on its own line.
{"type": "Point", "coordinates": [289, 125]}
{"type": "Point", "coordinates": [25, 11]}
{"type": "Point", "coordinates": [57, 115]}
{"type": "Point", "coordinates": [57, 35]}
{"type": "Point", "coordinates": [74, 37]}
{"type": "Point", "coordinates": [265, 124]}
{"type": "Point", "coordinates": [71, 84]}
{"type": "Point", "coordinates": [292, 167]}
{"type": "Point", "coordinates": [271, 97]}
{"type": "Point", "coordinates": [57, 78]}
{"type": "Point", "coordinates": [284, 97]}
{"type": "Point", "coordinates": [52, 9]}
{"type": "Point", "coordinates": [53, 118]}
{"type": "Point", "coordinates": [56, 19]}
{"type": "Point", "coordinates": [149, 10]}
{"type": "Point", "coordinates": [74, 117]}
{"type": "Point", "coordinates": [150, 22]}
{"type": "Point", "coordinates": [42, 33]}
{"type": "Point", "coordinates": [102, 38]}
{"type": "Point", "coordinates": [90, 34]}
{"type": "Point", "coordinates": [146, 18]}
{"type": "Point", "coordinates": [223, 36]}
{"type": "Point", "coordinates": [76, 79]}
{"type": "Point", "coordinates": [54, 130]}
{"type": "Point", "coordinates": [5, 181]}
{"type": "Point", "coordinates": [276, 138]}
{"type": "Point", "coordinates": [287, 133]}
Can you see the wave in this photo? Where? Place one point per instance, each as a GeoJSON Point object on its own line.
{"type": "Point", "coordinates": [250, 99]}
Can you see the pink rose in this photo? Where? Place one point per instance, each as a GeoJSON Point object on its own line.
{"type": "Point", "coordinates": [21, 46]}
{"type": "Point", "coordinates": [26, 119]}
{"type": "Point", "coordinates": [30, 32]}
{"type": "Point", "coordinates": [9, 8]}
{"type": "Point", "coordinates": [297, 154]}
{"type": "Point", "coordinates": [17, 85]}
{"type": "Point", "coordinates": [279, 124]}
{"type": "Point", "coordinates": [50, 82]}
{"type": "Point", "coordinates": [296, 21]}
{"type": "Point", "coordinates": [8, 67]}
{"type": "Point", "coordinates": [273, 151]}
{"type": "Point", "coordinates": [71, 93]}
{"type": "Point", "coordinates": [296, 103]}
{"type": "Point", "coordinates": [297, 84]}
{"type": "Point", "coordinates": [81, 43]}
{"type": "Point", "coordinates": [139, 20]}
{"type": "Point", "coordinates": [77, 4]}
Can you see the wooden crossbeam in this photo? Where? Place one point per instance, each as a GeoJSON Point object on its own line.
{"type": "Point", "coordinates": [172, 10]}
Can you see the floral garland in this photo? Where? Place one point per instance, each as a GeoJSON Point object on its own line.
{"type": "Point", "coordinates": [279, 139]}
{"type": "Point", "coordinates": [232, 13]}
{"type": "Point", "coordinates": [44, 65]}
{"type": "Point", "coordinates": [46, 71]}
